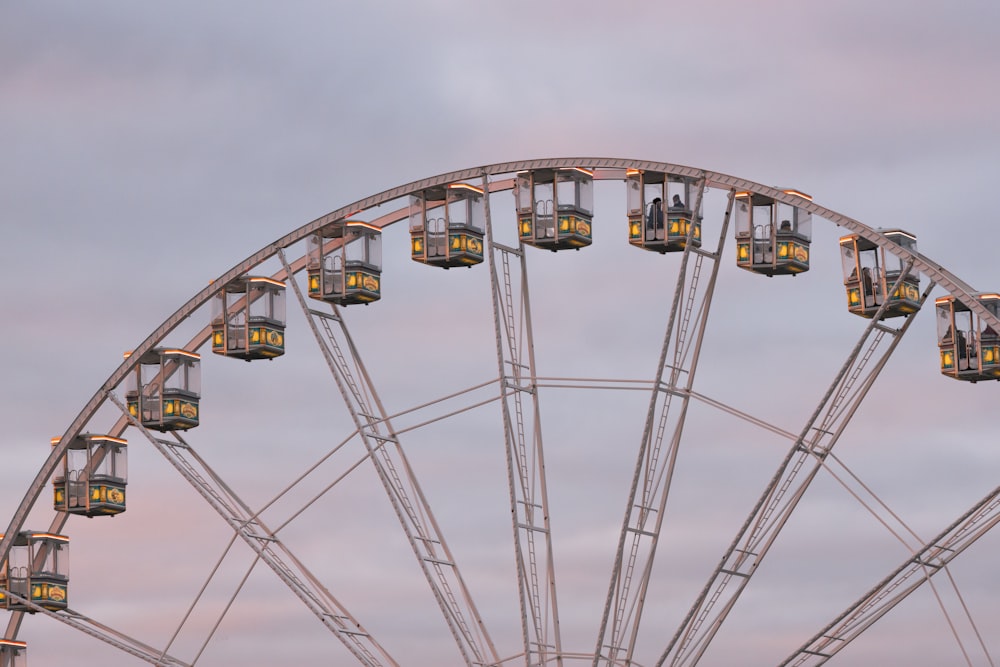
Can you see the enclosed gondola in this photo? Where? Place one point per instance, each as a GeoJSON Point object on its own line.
{"type": "Point", "coordinates": [37, 571]}
{"type": "Point", "coordinates": [772, 236]}
{"type": "Point", "coordinates": [870, 271]}
{"type": "Point", "coordinates": [660, 215]}
{"type": "Point", "coordinates": [163, 391]}
{"type": "Point", "coordinates": [344, 264]}
{"type": "Point", "coordinates": [446, 225]}
{"type": "Point", "coordinates": [248, 319]}
{"type": "Point", "coordinates": [969, 347]}
{"type": "Point", "coordinates": [555, 207]}
{"type": "Point", "coordinates": [92, 477]}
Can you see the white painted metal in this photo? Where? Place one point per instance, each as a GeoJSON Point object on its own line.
{"type": "Point", "coordinates": [776, 503]}
{"type": "Point", "coordinates": [647, 500]}
{"type": "Point", "coordinates": [525, 455]}
{"type": "Point", "coordinates": [400, 483]}
{"type": "Point", "coordinates": [268, 547]}
{"type": "Point", "coordinates": [930, 560]}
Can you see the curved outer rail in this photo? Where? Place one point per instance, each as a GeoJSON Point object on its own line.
{"type": "Point", "coordinates": [604, 169]}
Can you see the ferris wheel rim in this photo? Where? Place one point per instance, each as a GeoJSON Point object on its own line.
{"type": "Point", "coordinates": [944, 278]}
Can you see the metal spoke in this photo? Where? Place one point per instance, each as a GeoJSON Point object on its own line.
{"type": "Point", "coordinates": [266, 545]}
{"type": "Point", "coordinates": [102, 632]}
{"type": "Point", "coordinates": [905, 579]}
{"type": "Point", "coordinates": [525, 454]}
{"type": "Point", "coordinates": [647, 499]}
{"type": "Point", "coordinates": [799, 467]}
{"type": "Point", "coordinates": [397, 477]}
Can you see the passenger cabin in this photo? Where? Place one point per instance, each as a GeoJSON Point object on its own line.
{"type": "Point", "coordinates": [163, 390]}
{"type": "Point", "coordinates": [446, 225]}
{"type": "Point", "coordinates": [344, 264]}
{"type": "Point", "coordinates": [660, 216]}
{"type": "Point", "coordinates": [870, 271]}
{"type": "Point", "coordinates": [37, 570]}
{"type": "Point", "coordinates": [13, 653]}
{"type": "Point", "coordinates": [969, 346]}
{"type": "Point", "coordinates": [248, 319]}
{"type": "Point", "coordinates": [772, 237]}
{"type": "Point", "coordinates": [555, 207]}
{"type": "Point", "coordinates": [92, 477]}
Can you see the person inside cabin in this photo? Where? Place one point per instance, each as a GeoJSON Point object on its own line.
{"type": "Point", "coordinates": [786, 226]}
{"type": "Point", "coordinates": [962, 350]}
{"type": "Point", "coordinates": [871, 288]}
{"type": "Point", "coordinates": [654, 219]}
{"type": "Point", "coordinates": [676, 203]}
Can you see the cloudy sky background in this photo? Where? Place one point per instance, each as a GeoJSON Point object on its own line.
{"type": "Point", "coordinates": [146, 150]}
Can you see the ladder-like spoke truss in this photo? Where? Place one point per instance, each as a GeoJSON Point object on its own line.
{"type": "Point", "coordinates": [654, 470]}
{"type": "Point", "coordinates": [266, 545]}
{"type": "Point", "coordinates": [397, 477]}
{"type": "Point", "coordinates": [525, 456]}
{"type": "Point", "coordinates": [915, 571]}
{"type": "Point", "coordinates": [89, 626]}
{"type": "Point", "coordinates": [799, 467]}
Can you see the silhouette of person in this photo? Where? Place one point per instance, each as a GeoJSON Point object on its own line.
{"type": "Point", "coordinates": [654, 219]}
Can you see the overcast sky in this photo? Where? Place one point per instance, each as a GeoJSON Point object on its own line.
{"type": "Point", "coordinates": [145, 150]}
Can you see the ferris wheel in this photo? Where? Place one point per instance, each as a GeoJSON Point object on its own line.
{"type": "Point", "coordinates": [589, 467]}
